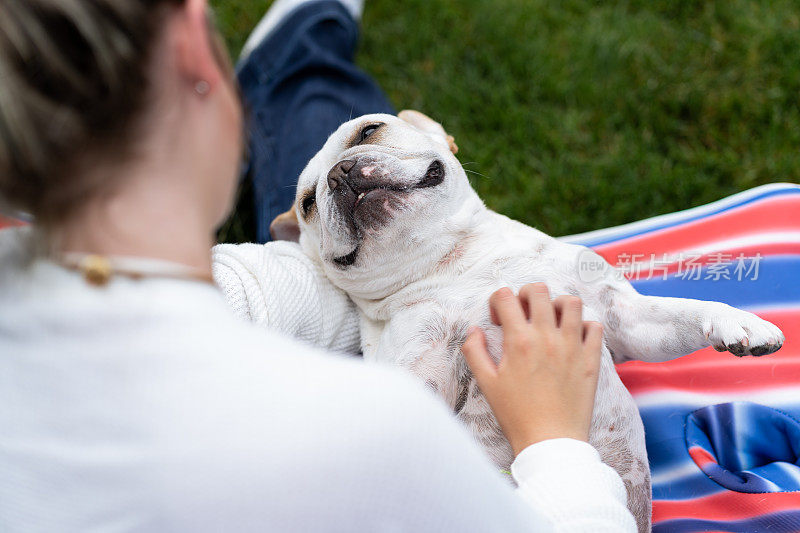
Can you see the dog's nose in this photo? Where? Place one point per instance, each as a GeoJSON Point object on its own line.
{"type": "Point", "coordinates": [337, 174]}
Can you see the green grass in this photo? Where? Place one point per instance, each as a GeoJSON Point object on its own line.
{"type": "Point", "coordinates": [581, 114]}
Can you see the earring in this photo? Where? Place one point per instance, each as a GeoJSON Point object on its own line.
{"type": "Point", "coordinates": [202, 87]}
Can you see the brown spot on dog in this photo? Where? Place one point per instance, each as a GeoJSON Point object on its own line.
{"type": "Point", "coordinates": [484, 426]}
{"type": "Point", "coordinates": [640, 498]}
{"type": "Point", "coordinates": [443, 362]}
{"type": "Point", "coordinates": [475, 391]}
{"type": "Point", "coordinates": [615, 452]}
{"type": "Point", "coordinates": [463, 389]}
{"type": "Point", "coordinates": [417, 301]}
{"type": "Point", "coordinates": [457, 336]}
{"type": "Point", "coordinates": [456, 253]}
{"type": "Point", "coordinates": [607, 295]}
{"type": "Point", "coordinates": [639, 504]}
{"type": "Point", "coordinates": [612, 319]}
{"type": "Point", "coordinates": [452, 259]}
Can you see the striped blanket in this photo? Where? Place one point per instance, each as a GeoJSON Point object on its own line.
{"type": "Point", "coordinates": [723, 433]}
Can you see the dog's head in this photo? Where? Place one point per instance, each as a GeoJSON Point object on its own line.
{"type": "Point", "coordinates": [383, 201]}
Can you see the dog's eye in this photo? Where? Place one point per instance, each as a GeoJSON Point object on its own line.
{"type": "Point", "coordinates": [308, 203]}
{"type": "Point", "coordinates": [368, 130]}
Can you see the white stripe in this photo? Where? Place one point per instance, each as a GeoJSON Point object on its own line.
{"type": "Point", "coordinates": [785, 396]}
{"type": "Point", "coordinates": [669, 475]}
{"type": "Point", "coordinates": [669, 258]}
{"type": "Point", "coordinates": [671, 218]}
{"type": "Point", "coordinates": [782, 307]}
{"type": "Point", "coordinates": [763, 238]}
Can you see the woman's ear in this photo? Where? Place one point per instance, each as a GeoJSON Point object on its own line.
{"type": "Point", "coordinates": [285, 227]}
{"type": "Point", "coordinates": [425, 123]}
{"type": "Point", "coordinates": [195, 44]}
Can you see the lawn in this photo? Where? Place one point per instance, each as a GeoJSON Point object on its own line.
{"type": "Point", "coordinates": [578, 114]}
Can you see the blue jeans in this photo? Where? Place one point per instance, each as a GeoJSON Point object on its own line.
{"type": "Point", "coordinates": [298, 86]}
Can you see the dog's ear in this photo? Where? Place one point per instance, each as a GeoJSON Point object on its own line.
{"type": "Point", "coordinates": [425, 123]}
{"type": "Point", "coordinates": [285, 227]}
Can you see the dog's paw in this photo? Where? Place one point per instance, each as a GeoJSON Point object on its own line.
{"type": "Point", "coordinates": [741, 333]}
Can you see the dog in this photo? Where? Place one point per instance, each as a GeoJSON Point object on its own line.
{"type": "Point", "coordinates": [388, 212]}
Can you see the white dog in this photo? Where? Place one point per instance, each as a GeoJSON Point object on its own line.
{"type": "Point", "coordinates": [387, 210]}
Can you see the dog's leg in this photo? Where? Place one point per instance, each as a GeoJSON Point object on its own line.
{"type": "Point", "coordinates": [650, 328]}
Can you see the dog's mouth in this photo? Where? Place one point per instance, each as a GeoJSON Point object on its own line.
{"type": "Point", "coordinates": [347, 260]}
{"type": "Point", "coordinates": [433, 177]}
{"type": "Point", "coordinates": [362, 191]}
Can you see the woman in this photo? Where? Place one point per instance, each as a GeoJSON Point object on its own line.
{"type": "Point", "coordinates": [132, 399]}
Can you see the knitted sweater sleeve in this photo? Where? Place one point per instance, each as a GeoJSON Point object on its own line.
{"type": "Point", "coordinates": [275, 285]}
{"type": "Point", "coordinates": [567, 483]}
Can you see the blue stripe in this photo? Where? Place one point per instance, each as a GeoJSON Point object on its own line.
{"type": "Point", "coordinates": [667, 450]}
{"type": "Point", "coordinates": [636, 232]}
{"type": "Point", "coordinates": [783, 522]}
{"type": "Point", "coordinates": [777, 285]}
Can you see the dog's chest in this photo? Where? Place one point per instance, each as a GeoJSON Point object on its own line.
{"type": "Point", "coordinates": [433, 315]}
{"type": "Point", "coordinates": [422, 326]}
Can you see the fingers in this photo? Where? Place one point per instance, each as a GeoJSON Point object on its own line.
{"type": "Point", "coordinates": [592, 337]}
{"type": "Point", "coordinates": [554, 367]}
{"type": "Point", "coordinates": [570, 311]}
{"type": "Point", "coordinates": [592, 344]}
{"type": "Point", "coordinates": [535, 299]}
{"type": "Point", "coordinates": [506, 309]}
{"type": "Point", "coordinates": [477, 356]}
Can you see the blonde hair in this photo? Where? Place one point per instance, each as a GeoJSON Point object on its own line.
{"type": "Point", "coordinates": [73, 81]}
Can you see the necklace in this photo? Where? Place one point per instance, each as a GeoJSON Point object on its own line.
{"type": "Point", "coordinates": [99, 269]}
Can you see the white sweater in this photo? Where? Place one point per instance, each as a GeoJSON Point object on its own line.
{"type": "Point", "coordinates": [278, 287]}
{"type": "Point", "coordinates": [148, 406]}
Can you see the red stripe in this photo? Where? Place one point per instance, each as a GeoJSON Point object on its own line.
{"type": "Point", "coordinates": [720, 372]}
{"type": "Point", "coordinates": [768, 216]}
{"type": "Point", "coordinates": [6, 222]}
{"type": "Point", "coordinates": [727, 505]}
{"type": "Point", "coordinates": [701, 456]}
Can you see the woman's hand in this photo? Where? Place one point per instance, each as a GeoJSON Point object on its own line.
{"type": "Point", "coordinates": [544, 385]}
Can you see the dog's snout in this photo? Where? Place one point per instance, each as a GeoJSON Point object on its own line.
{"type": "Point", "coordinates": [336, 176]}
